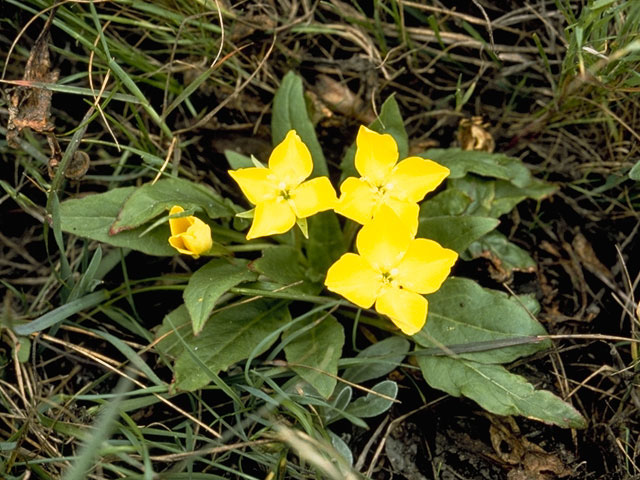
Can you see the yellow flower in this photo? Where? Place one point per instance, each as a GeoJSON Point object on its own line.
{"type": "Point", "coordinates": [280, 193]}
{"type": "Point", "coordinates": [189, 235]}
{"type": "Point", "coordinates": [393, 270]}
{"type": "Point", "coordinates": [382, 182]}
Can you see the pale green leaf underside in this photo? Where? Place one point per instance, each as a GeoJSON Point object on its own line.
{"type": "Point", "coordinates": [371, 404]}
{"type": "Point", "coordinates": [498, 391]}
{"type": "Point", "coordinates": [377, 360]}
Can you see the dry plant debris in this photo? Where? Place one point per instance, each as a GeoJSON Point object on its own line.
{"type": "Point", "coordinates": [30, 106]}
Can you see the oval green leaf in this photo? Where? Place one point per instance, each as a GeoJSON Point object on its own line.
{"type": "Point", "coordinates": [152, 199]}
{"type": "Point", "coordinates": [497, 390]}
{"type": "Point", "coordinates": [208, 283]}
{"type": "Point", "coordinates": [92, 216]}
{"type": "Point", "coordinates": [463, 312]}
{"type": "Point", "coordinates": [229, 336]}
{"type": "Point", "coordinates": [316, 352]}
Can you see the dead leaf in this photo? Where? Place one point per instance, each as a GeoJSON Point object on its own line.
{"type": "Point", "coordinates": [529, 461]}
{"type": "Point", "coordinates": [472, 135]}
{"type": "Point", "coordinates": [30, 107]}
{"type": "Point", "coordinates": [340, 99]}
{"type": "Point", "coordinates": [588, 257]}
{"type": "Point", "coordinates": [78, 166]}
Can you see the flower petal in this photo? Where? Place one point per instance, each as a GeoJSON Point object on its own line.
{"type": "Point", "coordinates": [414, 177]}
{"type": "Point", "coordinates": [406, 309]}
{"type": "Point", "coordinates": [352, 277]}
{"type": "Point", "coordinates": [357, 200]}
{"type": "Point", "coordinates": [177, 242]}
{"type": "Point", "coordinates": [178, 225]}
{"type": "Point", "coordinates": [425, 266]}
{"type": "Point", "coordinates": [316, 195]}
{"type": "Point", "coordinates": [271, 217]}
{"type": "Point", "coordinates": [384, 240]}
{"type": "Point", "coordinates": [258, 184]}
{"type": "Point", "coordinates": [407, 212]}
{"type": "Point", "coordinates": [376, 154]}
{"type": "Point", "coordinates": [291, 161]}
{"type": "Point", "coordinates": [197, 238]}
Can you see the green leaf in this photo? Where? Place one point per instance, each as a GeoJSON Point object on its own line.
{"type": "Point", "coordinates": [326, 242]}
{"type": "Point", "coordinates": [482, 193]}
{"type": "Point", "coordinates": [377, 360]}
{"type": "Point", "coordinates": [536, 189]}
{"type": "Point", "coordinates": [228, 337]}
{"type": "Point", "coordinates": [371, 404]}
{"type": "Point", "coordinates": [495, 165]}
{"type": "Point", "coordinates": [285, 265]}
{"type": "Point", "coordinates": [507, 195]}
{"type": "Point", "coordinates": [87, 281]}
{"type": "Point", "coordinates": [61, 313]}
{"type": "Point", "coordinates": [448, 202]}
{"type": "Point", "coordinates": [23, 349]}
{"type": "Point", "coordinates": [506, 256]}
{"type": "Point", "coordinates": [389, 121]}
{"type": "Point", "coordinates": [456, 232]}
{"type": "Point", "coordinates": [237, 160]}
{"type": "Point", "coordinates": [463, 312]}
{"type": "Point", "coordinates": [494, 198]}
{"type": "Point", "coordinates": [92, 216]}
{"type": "Point", "coordinates": [208, 283]}
{"type": "Point", "coordinates": [150, 200]}
{"type": "Point", "coordinates": [290, 113]}
{"type": "Point", "coordinates": [341, 396]}
{"type": "Point", "coordinates": [318, 348]}
{"type": "Point", "coordinates": [341, 447]}
{"type": "Point", "coordinates": [281, 263]}
{"type": "Point", "coordinates": [498, 391]}
{"type": "Point", "coordinates": [634, 173]}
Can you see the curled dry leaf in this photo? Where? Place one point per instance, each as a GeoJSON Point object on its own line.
{"type": "Point", "coordinates": [30, 107]}
{"type": "Point", "coordinates": [472, 135]}
{"type": "Point", "coordinates": [77, 168]}
{"type": "Point", "coordinates": [590, 260]}
{"type": "Point", "coordinates": [530, 461]}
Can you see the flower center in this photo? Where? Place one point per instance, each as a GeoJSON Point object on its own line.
{"type": "Point", "coordinates": [388, 278]}
{"type": "Point", "coordinates": [283, 191]}
{"type": "Point", "coordinates": [380, 189]}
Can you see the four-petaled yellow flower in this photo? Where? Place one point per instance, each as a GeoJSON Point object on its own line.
{"type": "Point", "coordinates": [382, 182]}
{"type": "Point", "coordinates": [393, 270]}
{"type": "Point", "coordinates": [280, 193]}
{"type": "Point", "coordinates": [189, 235]}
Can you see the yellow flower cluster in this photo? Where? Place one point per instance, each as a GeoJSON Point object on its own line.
{"type": "Point", "coordinates": [392, 269]}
